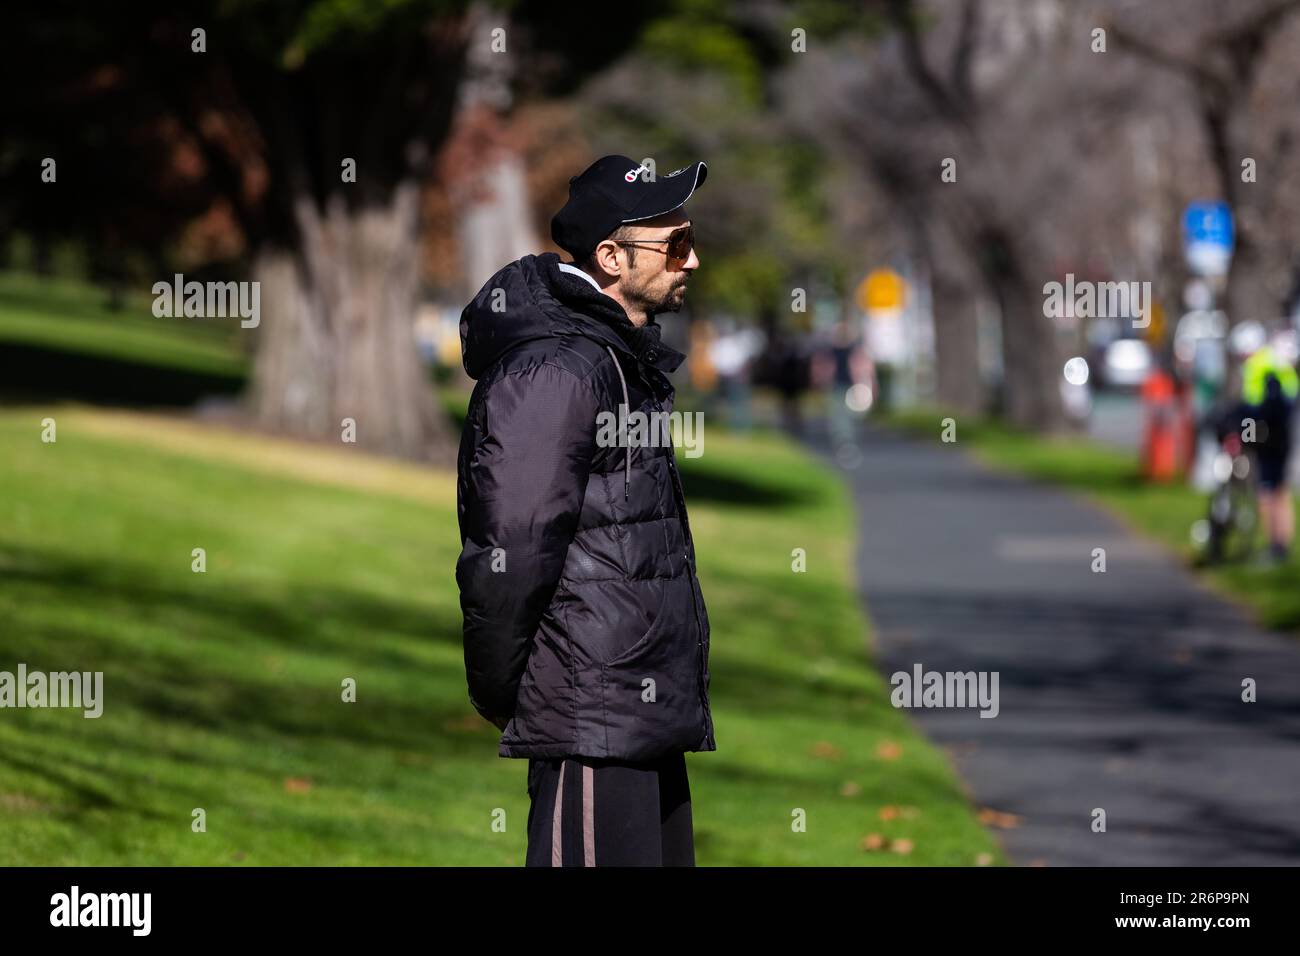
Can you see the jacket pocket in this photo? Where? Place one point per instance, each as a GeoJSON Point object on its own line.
{"type": "Point", "coordinates": [648, 636]}
{"type": "Point", "coordinates": [608, 620]}
{"type": "Point", "coordinates": [652, 690]}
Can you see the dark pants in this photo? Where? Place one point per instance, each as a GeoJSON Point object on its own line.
{"type": "Point", "coordinates": [590, 812]}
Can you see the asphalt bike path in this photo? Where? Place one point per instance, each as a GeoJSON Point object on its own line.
{"type": "Point", "coordinates": [1119, 691]}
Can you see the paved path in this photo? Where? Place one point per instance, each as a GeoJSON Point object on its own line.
{"type": "Point", "coordinates": [1119, 690]}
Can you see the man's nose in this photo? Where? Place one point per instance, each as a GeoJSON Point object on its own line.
{"type": "Point", "coordinates": [692, 261]}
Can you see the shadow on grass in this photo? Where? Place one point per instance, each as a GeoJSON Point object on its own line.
{"type": "Point", "coordinates": [34, 372]}
{"type": "Point", "coordinates": [226, 684]}
{"type": "Point", "coordinates": [217, 671]}
{"type": "Point", "coordinates": [705, 483]}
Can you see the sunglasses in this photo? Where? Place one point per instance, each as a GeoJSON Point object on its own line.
{"type": "Point", "coordinates": [680, 242]}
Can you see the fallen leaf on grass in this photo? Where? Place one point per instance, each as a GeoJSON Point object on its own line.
{"type": "Point", "coordinates": [888, 750]}
{"type": "Point", "coordinates": [21, 803]}
{"type": "Point", "coordinates": [296, 784]}
{"type": "Point", "coordinates": [826, 749]}
{"type": "Point", "coordinates": [874, 842]}
{"type": "Point", "coordinates": [470, 722]}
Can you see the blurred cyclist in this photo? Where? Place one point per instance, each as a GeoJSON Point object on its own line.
{"type": "Point", "coordinates": [1268, 391]}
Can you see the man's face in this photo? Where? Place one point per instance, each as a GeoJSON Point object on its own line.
{"type": "Point", "coordinates": [651, 278]}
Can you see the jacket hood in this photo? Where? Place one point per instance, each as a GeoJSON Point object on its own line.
{"type": "Point", "coordinates": [532, 298]}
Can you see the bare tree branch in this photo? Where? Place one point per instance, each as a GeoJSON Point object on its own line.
{"type": "Point", "coordinates": [964, 54]}
{"type": "Point", "coordinates": [1193, 67]}
{"type": "Point", "coordinates": [903, 14]}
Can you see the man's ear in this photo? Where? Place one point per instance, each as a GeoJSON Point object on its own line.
{"type": "Point", "coordinates": [606, 258]}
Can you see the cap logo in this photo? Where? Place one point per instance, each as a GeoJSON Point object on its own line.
{"type": "Point", "coordinates": [631, 174]}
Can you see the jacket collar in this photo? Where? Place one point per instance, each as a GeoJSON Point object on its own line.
{"type": "Point", "coordinates": [580, 295]}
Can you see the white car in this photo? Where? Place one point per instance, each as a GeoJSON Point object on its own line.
{"type": "Point", "coordinates": [1126, 363]}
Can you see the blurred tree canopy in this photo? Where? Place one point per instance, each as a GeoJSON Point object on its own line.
{"type": "Point", "coordinates": [307, 127]}
{"type": "Point", "coordinates": [825, 126]}
{"type": "Point", "coordinates": [703, 81]}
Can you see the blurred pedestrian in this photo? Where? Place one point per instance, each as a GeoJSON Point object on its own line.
{"type": "Point", "coordinates": [842, 365]}
{"type": "Point", "coordinates": [785, 367]}
{"type": "Point", "coordinates": [732, 352]}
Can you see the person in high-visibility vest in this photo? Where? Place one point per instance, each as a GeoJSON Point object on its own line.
{"type": "Point", "coordinates": [1269, 387]}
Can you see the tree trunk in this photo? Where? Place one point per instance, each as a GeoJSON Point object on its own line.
{"type": "Point", "coordinates": [1031, 365]}
{"type": "Point", "coordinates": [337, 331]}
{"type": "Point", "coordinates": [958, 382]}
{"type": "Point", "coordinates": [483, 166]}
{"type": "Point", "coordinates": [1248, 295]}
{"type": "Point", "coordinates": [958, 385]}
{"type": "Point", "coordinates": [1244, 297]}
{"type": "Point", "coordinates": [495, 226]}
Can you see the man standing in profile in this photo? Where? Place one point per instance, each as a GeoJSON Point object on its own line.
{"type": "Point", "coordinates": [586, 635]}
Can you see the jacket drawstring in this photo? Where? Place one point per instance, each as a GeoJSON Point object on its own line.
{"type": "Point", "coordinates": [627, 458]}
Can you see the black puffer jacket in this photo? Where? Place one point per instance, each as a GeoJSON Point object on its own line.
{"type": "Point", "coordinates": [584, 621]}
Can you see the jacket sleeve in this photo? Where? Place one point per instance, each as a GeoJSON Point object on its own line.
{"type": "Point", "coordinates": [521, 495]}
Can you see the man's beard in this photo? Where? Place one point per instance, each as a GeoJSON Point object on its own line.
{"type": "Point", "coordinates": [673, 300]}
{"type": "Point", "coordinates": [653, 304]}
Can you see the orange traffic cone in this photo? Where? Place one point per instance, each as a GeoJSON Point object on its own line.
{"type": "Point", "coordinates": [1160, 438]}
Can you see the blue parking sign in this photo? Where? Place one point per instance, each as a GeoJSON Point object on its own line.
{"type": "Point", "coordinates": [1208, 237]}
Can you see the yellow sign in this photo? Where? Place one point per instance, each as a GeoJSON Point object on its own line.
{"type": "Point", "coordinates": [881, 291]}
{"type": "Point", "coordinates": [1155, 330]}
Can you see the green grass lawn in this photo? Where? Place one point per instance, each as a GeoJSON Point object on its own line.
{"type": "Point", "coordinates": [222, 689]}
{"type": "Point", "coordinates": [70, 316]}
{"type": "Point", "coordinates": [1110, 477]}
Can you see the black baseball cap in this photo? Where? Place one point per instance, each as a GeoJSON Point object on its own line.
{"type": "Point", "coordinates": [611, 192]}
